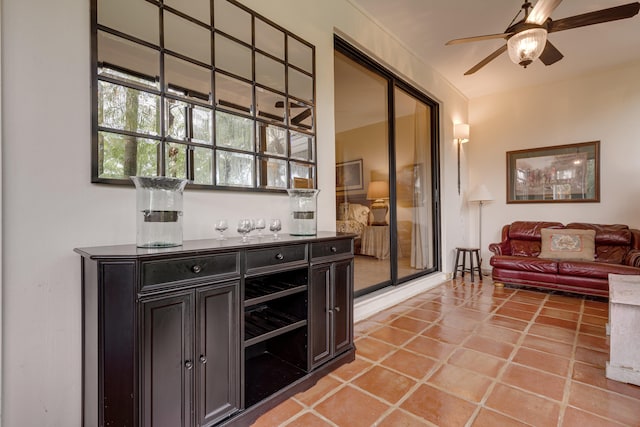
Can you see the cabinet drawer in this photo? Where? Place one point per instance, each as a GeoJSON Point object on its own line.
{"type": "Point", "coordinates": [158, 273]}
{"type": "Point", "coordinates": [274, 257]}
{"type": "Point", "coordinates": [332, 248]}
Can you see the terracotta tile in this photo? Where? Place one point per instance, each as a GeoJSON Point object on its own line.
{"type": "Point", "coordinates": [477, 362]}
{"type": "Point", "coordinates": [574, 417]}
{"type": "Point", "coordinates": [461, 382]}
{"type": "Point", "coordinates": [393, 336]}
{"type": "Point", "coordinates": [384, 383]}
{"type": "Point", "coordinates": [547, 345]}
{"type": "Point", "coordinates": [596, 311]}
{"type": "Point", "coordinates": [524, 406]}
{"type": "Point", "coordinates": [563, 335]}
{"type": "Point", "coordinates": [554, 321]}
{"type": "Point", "coordinates": [351, 407]}
{"type": "Point", "coordinates": [324, 386]}
{"type": "Point", "coordinates": [279, 414]}
{"type": "Point", "coordinates": [482, 306]}
{"type": "Point", "coordinates": [423, 314]}
{"type": "Point", "coordinates": [560, 314]}
{"type": "Point", "coordinates": [599, 331]}
{"type": "Point", "coordinates": [595, 320]}
{"type": "Point", "coordinates": [516, 313]}
{"type": "Point", "coordinates": [547, 362]}
{"type": "Point", "coordinates": [308, 420]}
{"type": "Point", "coordinates": [596, 376]}
{"type": "Point", "coordinates": [521, 306]}
{"type": "Point", "coordinates": [529, 297]}
{"type": "Point", "coordinates": [387, 315]}
{"type": "Point", "coordinates": [593, 342]}
{"type": "Point", "coordinates": [535, 381]}
{"type": "Point", "coordinates": [435, 306]}
{"type": "Point", "coordinates": [365, 327]}
{"type": "Point", "coordinates": [349, 370]}
{"type": "Point", "coordinates": [456, 321]}
{"type": "Point", "coordinates": [572, 300]}
{"type": "Point", "coordinates": [465, 312]}
{"type": "Point", "coordinates": [438, 407]}
{"type": "Point", "coordinates": [409, 324]}
{"type": "Point", "coordinates": [507, 322]}
{"type": "Point", "coordinates": [597, 305]}
{"type": "Point", "coordinates": [489, 418]}
{"type": "Point", "coordinates": [446, 334]}
{"type": "Point", "coordinates": [563, 305]}
{"type": "Point", "coordinates": [372, 349]}
{"type": "Point", "coordinates": [499, 333]}
{"type": "Point", "coordinates": [489, 346]}
{"type": "Point", "coordinates": [604, 403]}
{"type": "Point", "coordinates": [592, 357]}
{"type": "Point", "coordinates": [400, 418]}
{"type": "Point", "coordinates": [429, 347]}
{"type": "Point", "coordinates": [411, 364]}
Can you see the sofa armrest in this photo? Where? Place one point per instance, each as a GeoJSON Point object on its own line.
{"type": "Point", "coordinates": [502, 248]}
{"type": "Point", "coordinates": [633, 258]}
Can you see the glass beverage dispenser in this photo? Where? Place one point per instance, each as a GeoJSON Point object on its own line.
{"type": "Point", "coordinates": [159, 211]}
{"type": "Point", "coordinates": [302, 206]}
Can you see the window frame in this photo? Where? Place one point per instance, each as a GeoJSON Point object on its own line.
{"type": "Point", "coordinates": [209, 102]}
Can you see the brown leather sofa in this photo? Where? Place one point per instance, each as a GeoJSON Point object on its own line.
{"type": "Point", "coordinates": [516, 260]}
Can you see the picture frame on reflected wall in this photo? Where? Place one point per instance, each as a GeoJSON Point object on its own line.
{"type": "Point", "coordinates": [349, 175]}
{"type": "Point", "coordinates": [555, 174]}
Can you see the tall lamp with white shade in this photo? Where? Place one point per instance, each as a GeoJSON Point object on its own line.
{"type": "Point", "coordinates": [480, 194]}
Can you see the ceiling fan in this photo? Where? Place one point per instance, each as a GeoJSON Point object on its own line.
{"type": "Point", "coordinates": [527, 38]}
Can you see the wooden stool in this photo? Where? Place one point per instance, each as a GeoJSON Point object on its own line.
{"type": "Point", "coordinates": [462, 268]}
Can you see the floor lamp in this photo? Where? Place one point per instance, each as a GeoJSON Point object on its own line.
{"type": "Point", "coordinates": [480, 194]}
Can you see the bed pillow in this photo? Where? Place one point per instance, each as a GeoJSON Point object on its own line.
{"type": "Point", "coordinates": [567, 244]}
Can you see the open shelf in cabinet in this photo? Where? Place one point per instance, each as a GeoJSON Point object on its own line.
{"type": "Point", "coordinates": [274, 364]}
{"type": "Point", "coordinates": [266, 322]}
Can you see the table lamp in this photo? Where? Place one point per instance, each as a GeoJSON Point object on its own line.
{"type": "Point", "coordinates": [378, 191]}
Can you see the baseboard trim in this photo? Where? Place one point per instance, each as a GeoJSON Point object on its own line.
{"type": "Point", "coordinates": [370, 304]}
{"type": "Point", "coordinates": [622, 374]}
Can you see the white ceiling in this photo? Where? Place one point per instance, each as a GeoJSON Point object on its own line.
{"type": "Point", "coordinates": [424, 26]}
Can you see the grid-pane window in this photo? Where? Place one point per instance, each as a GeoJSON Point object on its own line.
{"type": "Point", "coordinates": [222, 97]}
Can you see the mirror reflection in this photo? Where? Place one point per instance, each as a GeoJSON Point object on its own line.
{"type": "Point", "coordinates": [221, 97]}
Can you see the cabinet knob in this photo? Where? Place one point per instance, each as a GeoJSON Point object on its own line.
{"type": "Point", "coordinates": [188, 364]}
{"type": "Point", "coordinates": [203, 359]}
{"type": "Point", "coordinates": [196, 268]}
{"type": "Point", "coordinates": [334, 249]}
{"type": "Point", "coordinates": [337, 309]}
{"type": "Point", "coordinates": [279, 256]}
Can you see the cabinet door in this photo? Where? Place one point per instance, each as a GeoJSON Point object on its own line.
{"type": "Point", "coordinates": [217, 352]}
{"type": "Point", "coordinates": [167, 361]}
{"type": "Point", "coordinates": [342, 300]}
{"type": "Point", "coordinates": [319, 314]}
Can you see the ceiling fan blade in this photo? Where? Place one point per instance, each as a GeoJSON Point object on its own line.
{"type": "Point", "coordinates": [486, 60]}
{"type": "Point", "coordinates": [478, 38]}
{"type": "Point", "coordinates": [300, 117]}
{"type": "Point", "coordinates": [541, 11]}
{"type": "Point", "coordinates": [550, 55]}
{"type": "Point", "coordinates": [597, 17]}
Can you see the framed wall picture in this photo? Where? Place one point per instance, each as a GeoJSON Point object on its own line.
{"type": "Point", "coordinates": [561, 173]}
{"type": "Point", "coordinates": [349, 175]}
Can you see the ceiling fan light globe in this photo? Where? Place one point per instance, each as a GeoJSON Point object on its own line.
{"type": "Point", "coordinates": [526, 46]}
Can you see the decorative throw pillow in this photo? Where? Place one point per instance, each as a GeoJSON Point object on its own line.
{"type": "Point", "coordinates": [568, 244]}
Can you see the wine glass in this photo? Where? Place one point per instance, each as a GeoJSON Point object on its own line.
{"type": "Point", "coordinates": [244, 227]}
{"type": "Point", "coordinates": [274, 226]}
{"type": "Point", "coordinates": [260, 225]}
{"type": "Point", "coordinates": [221, 225]}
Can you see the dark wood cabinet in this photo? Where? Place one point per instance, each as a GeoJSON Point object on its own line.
{"type": "Point", "coordinates": [331, 303]}
{"type": "Point", "coordinates": [211, 333]}
{"type": "Point", "coordinates": [167, 361]}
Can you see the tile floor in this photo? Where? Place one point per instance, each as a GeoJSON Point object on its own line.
{"type": "Point", "coordinates": [470, 354]}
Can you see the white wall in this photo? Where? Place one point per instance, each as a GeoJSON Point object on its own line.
{"type": "Point", "coordinates": [601, 107]}
{"type": "Point", "coordinates": [50, 206]}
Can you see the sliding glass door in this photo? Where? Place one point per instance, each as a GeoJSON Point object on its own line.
{"type": "Point", "coordinates": [386, 171]}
